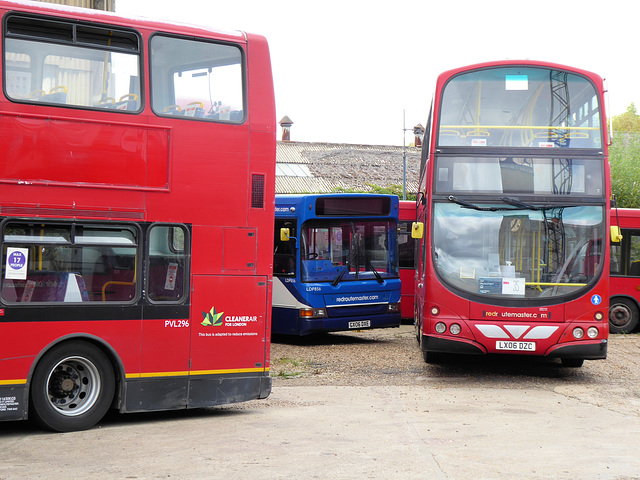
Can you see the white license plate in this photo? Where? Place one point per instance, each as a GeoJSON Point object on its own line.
{"type": "Point", "coordinates": [360, 324]}
{"type": "Point", "coordinates": [516, 346]}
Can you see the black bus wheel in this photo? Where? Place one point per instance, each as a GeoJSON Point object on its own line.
{"type": "Point", "coordinates": [623, 315]}
{"type": "Point", "coordinates": [72, 387]}
{"type": "Point", "coordinates": [572, 362]}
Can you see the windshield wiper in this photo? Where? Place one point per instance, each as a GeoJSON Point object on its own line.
{"type": "Point", "coordinates": [517, 203]}
{"type": "Point", "coordinates": [464, 204]}
{"type": "Point", "coordinates": [347, 263]}
{"type": "Point", "coordinates": [375, 272]}
{"type": "Point", "coordinates": [336, 281]}
{"type": "Point", "coordinates": [344, 270]}
{"type": "Point", "coordinates": [511, 201]}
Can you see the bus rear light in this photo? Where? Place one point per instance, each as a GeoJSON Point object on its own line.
{"type": "Point", "coordinates": [313, 313]}
{"type": "Point", "coordinates": [435, 311]}
{"type": "Point", "coordinates": [455, 329]}
{"type": "Point", "coordinates": [440, 327]}
{"type": "Point", "coordinates": [393, 308]}
{"type": "Point", "coordinates": [578, 333]}
{"type": "Point", "coordinates": [599, 316]}
{"type": "Point", "coordinates": [592, 332]}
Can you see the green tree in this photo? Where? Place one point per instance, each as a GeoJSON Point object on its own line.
{"type": "Point", "coordinates": [624, 157]}
{"type": "Point", "coordinates": [393, 189]}
{"type": "Point", "coordinates": [628, 121]}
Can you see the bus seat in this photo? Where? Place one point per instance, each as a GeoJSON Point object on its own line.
{"type": "Point", "coordinates": [9, 291]}
{"type": "Point", "coordinates": [127, 102]}
{"type": "Point", "coordinates": [36, 95]}
{"type": "Point", "coordinates": [45, 286]}
{"type": "Point", "coordinates": [634, 269]}
{"type": "Point", "coordinates": [120, 284]}
{"type": "Point", "coordinates": [165, 284]}
{"type": "Point", "coordinates": [56, 95]}
{"type": "Point", "coordinates": [174, 110]}
{"type": "Point", "coordinates": [118, 291]}
{"type": "Point", "coordinates": [107, 102]}
{"type": "Point", "coordinates": [194, 109]}
{"type": "Point", "coordinates": [76, 290]}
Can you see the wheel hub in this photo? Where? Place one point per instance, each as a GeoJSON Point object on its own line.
{"type": "Point", "coordinates": [619, 315]}
{"type": "Point", "coordinates": [63, 383]}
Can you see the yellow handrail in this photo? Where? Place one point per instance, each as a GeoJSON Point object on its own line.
{"type": "Point", "coordinates": [519, 127]}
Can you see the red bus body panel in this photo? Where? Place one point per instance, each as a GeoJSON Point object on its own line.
{"type": "Point", "coordinates": [72, 164]}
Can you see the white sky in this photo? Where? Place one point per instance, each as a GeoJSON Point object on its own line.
{"type": "Point", "coordinates": [344, 71]}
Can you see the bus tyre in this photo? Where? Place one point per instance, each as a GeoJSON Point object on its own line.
{"type": "Point", "coordinates": [431, 357]}
{"type": "Point", "coordinates": [623, 315]}
{"type": "Point", "coordinates": [72, 387]}
{"type": "Point", "coordinates": [572, 362]}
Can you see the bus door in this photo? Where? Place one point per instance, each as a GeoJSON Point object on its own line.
{"type": "Point", "coordinates": [164, 361]}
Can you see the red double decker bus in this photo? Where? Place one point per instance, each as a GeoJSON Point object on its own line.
{"type": "Point", "coordinates": [624, 284]}
{"type": "Point", "coordinates": [136, 215]}
{"type": "Point", "coordinates": [514, 200]}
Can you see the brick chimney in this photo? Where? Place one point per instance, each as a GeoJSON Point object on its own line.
{"type": "Point", "coordinates": [418, 132]}
{"type": "Point", "coordinates": [286, 123]}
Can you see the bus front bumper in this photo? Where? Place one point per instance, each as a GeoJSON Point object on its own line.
{"type": "Point", "coordinates": [588, 350]}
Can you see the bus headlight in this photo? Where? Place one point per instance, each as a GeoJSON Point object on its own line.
{"type": "Point", "coordinates": [313, 313]}
{"type": "Point", "coordinates": [592, 332]}
{"type": "Point", "coordinates": [455, 329]}
{"type": "Point", "coordinates": [578, 333]}
{"type": "Point", "coordinates": [441, 327]}
{"type": "Point", "coordinates": [393, 308]}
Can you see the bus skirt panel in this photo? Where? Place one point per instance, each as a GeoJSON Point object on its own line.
{"type": "Point", "coordinates": [173, 393]}
{"type": "Point", "coordinates": [13, 402]}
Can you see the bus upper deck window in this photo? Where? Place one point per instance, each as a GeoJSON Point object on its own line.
{"type": "Point", "coordinates": [197, 79]}
{"type": "Point", "coordinates": [64, 63]}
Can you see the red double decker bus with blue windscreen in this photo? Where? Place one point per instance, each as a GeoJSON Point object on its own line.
{"type": "Point", "coordinates": [136, 215]}
{"type": "Point", "coordinates": [514, 200]}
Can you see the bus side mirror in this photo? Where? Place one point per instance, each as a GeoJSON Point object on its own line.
{"type": "Point", "coordinates": [284, 235]}
{"type": "Point", "coordinates": [417, 230]}
{"type": "Point", "coordinates": [616, 234]}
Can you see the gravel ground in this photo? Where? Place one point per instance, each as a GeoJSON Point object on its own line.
{"type": "Point", "coordinates": [392, 357]}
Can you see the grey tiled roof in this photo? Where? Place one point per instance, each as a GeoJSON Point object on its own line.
{"type": "Point", "coordinates": [339, 165]}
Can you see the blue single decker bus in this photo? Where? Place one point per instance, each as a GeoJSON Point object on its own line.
{"type": "Point", "coordinates": [335, 263]}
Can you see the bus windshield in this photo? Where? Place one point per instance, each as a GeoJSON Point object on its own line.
{"type": "Point", "coordinates": [518, 253]}
{"type": "Point", "coordinates": [339, 250]}
{"type": "Point", "coordinates": [520, 107]}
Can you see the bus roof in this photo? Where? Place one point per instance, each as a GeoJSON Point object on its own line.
{"type": "Point", "coordinates": [86, 14]}
{"type": "Point", "coordinates": [506, 63]}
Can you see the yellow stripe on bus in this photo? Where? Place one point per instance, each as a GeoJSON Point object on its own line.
{"type": "Point", "coordinates": [196, 372]}
{"type": "Point", "coordinates": [19, 381]}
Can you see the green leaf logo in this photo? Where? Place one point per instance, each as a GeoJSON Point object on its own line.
{"type": "Point", "coordinates": [212, 319]}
